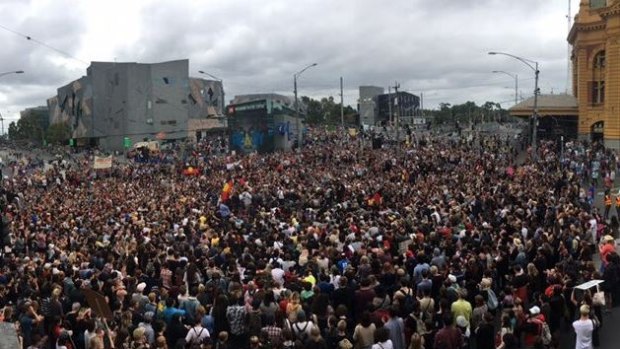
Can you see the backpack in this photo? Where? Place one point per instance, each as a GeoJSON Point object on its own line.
{"type": "Point", "coordinates": [545, 334]}
{"type": "Point", "coordinates": [492, 302]}
{"type": "Point", "coordinates": [409, 303]}
{"type": "Point", "coordinates": [197, 342]}
{"type": "Point", "coordinates": [301, 333]}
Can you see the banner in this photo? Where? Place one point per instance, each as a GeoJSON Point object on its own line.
{"type": "Point", "coordinates": [103, 162]}
{"type": "Point", "coordinates": [96, 301]}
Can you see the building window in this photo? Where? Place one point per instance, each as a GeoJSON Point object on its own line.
{"type": "Point", "coordinates": [596, 4]}
{"type": "Point", "coordinates": [160, 101]}
{"type": "Point", "coordinates": [166, 81]}
{"type": "Point", "coordinates": [599, 60]}
{"type": "Point", "coordinates": [597, 89]}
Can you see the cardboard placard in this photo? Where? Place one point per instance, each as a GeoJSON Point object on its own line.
{"type": "Point", "coordinates": [99, 305]}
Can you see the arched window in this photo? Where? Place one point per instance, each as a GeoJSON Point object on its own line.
{"type": "Point", "coordinates": [599, 60]}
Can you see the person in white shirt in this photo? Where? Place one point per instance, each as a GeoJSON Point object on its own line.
{"type": "Point", "coordinates": [382, 339]}
{"type": "Point", "coordinates": [197, 333]}
{"type": "Point", "coordinates": [584, 328]}
{"type": "Point", "coordinates": [277, 273]}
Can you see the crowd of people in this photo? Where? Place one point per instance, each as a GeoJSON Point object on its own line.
{"type": "Point", "coordinates": [442, 244]}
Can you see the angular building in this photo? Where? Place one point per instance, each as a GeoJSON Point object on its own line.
{"type": "Point", "coordinates": [595, 37]}
{"type": "Point", "coordinates": [116, 101]}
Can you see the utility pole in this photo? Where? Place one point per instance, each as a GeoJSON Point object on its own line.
{"type": "Point", "coordinates": [390, 119]}
{"type": "Point", "coordinates": [396, 87]}
{"type": "Point", "coordinates": [341, 104]}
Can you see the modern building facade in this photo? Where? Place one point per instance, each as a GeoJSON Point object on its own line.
{"type": "Point", "coordinates": [595, 37]}
{"type": "Point", "coordinates": [115, 101]}
{"type": "Point", "coordinates": [404, 105]}
{"type": "Point", "coordinates": [369, 104]}
{"type": "Point", "coordinates": [262, 123]}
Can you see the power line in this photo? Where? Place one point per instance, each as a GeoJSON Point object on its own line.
{"type": "Point", "coordinates": [30, 38]}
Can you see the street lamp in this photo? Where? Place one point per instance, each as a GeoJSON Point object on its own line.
{"type": "Point", "coordinates": [534, 66]}
{"type": "Point", "coordinates": [298, 122]}
{"type": "Point", "coordinates": [1, 75]}
{"type": "Point", "coordinates": [222, 87]}
{"type": "Point", "coordinates": [514, 76]}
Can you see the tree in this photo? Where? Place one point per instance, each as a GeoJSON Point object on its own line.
{"type": "Point", "coordinates": [326, 111]}
{"type": "Point", "coordinates": [28, 127]}
{"type": "Point", "coordinates": [58, 133]}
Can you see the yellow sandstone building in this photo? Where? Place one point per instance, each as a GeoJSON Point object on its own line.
{"type": "Point", "coordinates": [595, 37]}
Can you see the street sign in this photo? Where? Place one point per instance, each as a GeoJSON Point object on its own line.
{"type": "Point", "coordinates": [127, 142]}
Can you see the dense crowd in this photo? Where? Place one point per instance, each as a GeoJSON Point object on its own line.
{"type": "Point", "coordinates": [443, 244]}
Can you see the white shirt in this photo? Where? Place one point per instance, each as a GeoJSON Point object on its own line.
{"type": "Point", "coordinates": [278, 275]}
{"type": "Point", "coordinates": [593, 227]}
{"type": "Point", "coordinates": [196, 333]}
{"type": "Point", "coordinates": [384, 345]}
{"type": "Point", "coordinates": [583, 329]}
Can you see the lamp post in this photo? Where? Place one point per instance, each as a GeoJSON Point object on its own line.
{"type": "Point", "coordinates": [222, 87]}
{"type": "Point", "coordinates": [297, 121]}
{"type": "Point", "coordinates": [514, 76]}
{"type": "Point", "coordinates": [1, 75]}
{"type": "Point", "coordinates": [534, 66]}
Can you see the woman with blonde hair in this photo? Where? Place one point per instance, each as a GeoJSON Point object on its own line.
{"type": "Point", "coordinates": [293, 307]}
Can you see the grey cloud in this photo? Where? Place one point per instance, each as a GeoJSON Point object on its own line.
{"type": "Point", "coordinates": [437, 46]}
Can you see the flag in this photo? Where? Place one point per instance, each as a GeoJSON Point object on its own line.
{"type": "Point", "coordinates": [226, 190]}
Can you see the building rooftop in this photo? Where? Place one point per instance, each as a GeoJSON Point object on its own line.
{"type": "Point", "coordinates": [561, 104]}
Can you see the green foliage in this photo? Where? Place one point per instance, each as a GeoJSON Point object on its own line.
{"type": "Point", "coordinates": [28, 127]}
{"type": "Point", "coordinates": [58, 133]}
{"type": "Point", "coordinates": [467, 113]}
{"type": "Point", "coordinates": [327, 111]}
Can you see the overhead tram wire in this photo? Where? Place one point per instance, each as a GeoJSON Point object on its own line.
{"type": "Point", "coordinates": [30, 38]}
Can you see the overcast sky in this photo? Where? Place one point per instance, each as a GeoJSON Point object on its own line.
{"type": "Point", "coordinates": [438, 47]}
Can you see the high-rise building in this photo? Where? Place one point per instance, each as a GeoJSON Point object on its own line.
{"type": "Point", "coordinates": [369, 104]}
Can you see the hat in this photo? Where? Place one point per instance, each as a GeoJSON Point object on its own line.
{"type": "Point", "coordinates": [534, 310]}
{"type": "Point", "coordinates": [141, 286]}
{"type": "Point", "coordinates": [452, 278]}
{"type": "Point", "coordinates": [461, 321]}
{"type": "Point", "coordinates": [608, 238]}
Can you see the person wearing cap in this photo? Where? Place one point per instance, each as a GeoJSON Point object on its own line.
{"type": "Point", "coordinates": [463, 325]}
{"type": "Point", "coordinates": [584, 328]}
{"type": "Point", "coordinates": [533, 327]}
{"type": "Point", "coordinates": [607, 246]}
